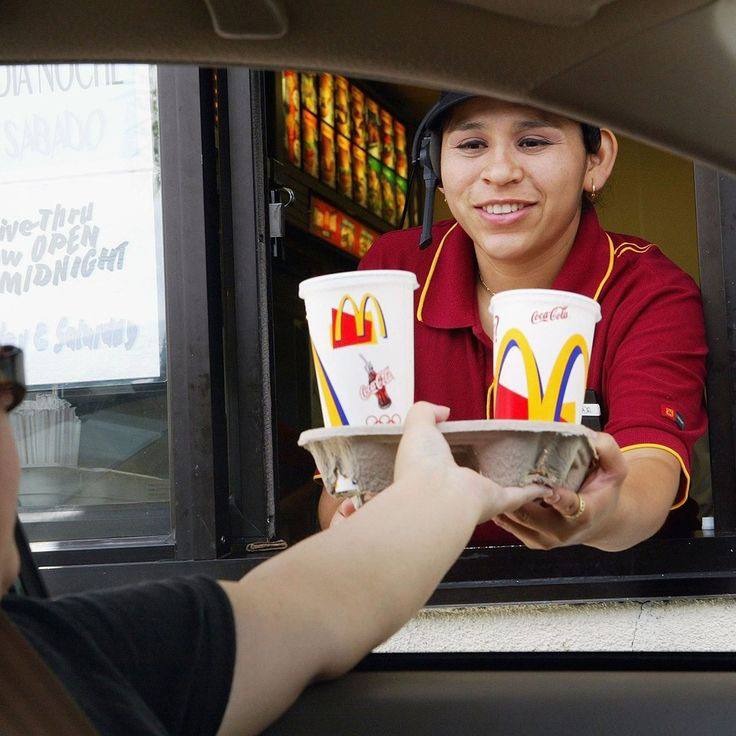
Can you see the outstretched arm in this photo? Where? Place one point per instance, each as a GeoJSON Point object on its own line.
{"type": "Point", "coordinates": [315, 610]}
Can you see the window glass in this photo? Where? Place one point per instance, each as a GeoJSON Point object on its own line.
{"type": "Point", "coordinates": [81, 292]}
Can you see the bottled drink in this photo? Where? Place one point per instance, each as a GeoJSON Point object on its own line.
{"type": "Point", "coordinates": [376, 385]}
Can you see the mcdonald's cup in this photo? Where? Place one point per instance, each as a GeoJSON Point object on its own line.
{"type": "Point", "coordinates": [361, 326]}
{"type": "Point", "coordinates": [542, 341]}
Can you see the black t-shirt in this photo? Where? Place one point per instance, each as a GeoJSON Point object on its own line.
{"type": "Point", "coordinates": [154, 659]}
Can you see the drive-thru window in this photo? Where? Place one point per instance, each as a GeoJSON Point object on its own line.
{"type": "Point", "coordinates": [156, 223]}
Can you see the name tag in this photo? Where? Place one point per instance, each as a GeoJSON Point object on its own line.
{"type": "Point", "coordinates": [591, 410]}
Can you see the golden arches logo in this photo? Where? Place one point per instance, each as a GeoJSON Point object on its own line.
{"type": "Point", "coordinates": [359, 314]}
{"type": "Point", "coordinates": [546, 403]}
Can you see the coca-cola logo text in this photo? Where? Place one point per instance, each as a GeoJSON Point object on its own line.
{"type": "Point", "coordinates": [552, 315]}
{"type": "Point", "coordinates": [382, 378]}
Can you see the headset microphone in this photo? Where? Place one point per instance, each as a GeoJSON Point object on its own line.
{"type": "Point", "coordinates": [430, 185]}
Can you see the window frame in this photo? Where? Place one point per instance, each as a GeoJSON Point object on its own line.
{"type": "Point", "coordinates": [189, 378]}
{"type": "Point", "coordinates": [246, 291]}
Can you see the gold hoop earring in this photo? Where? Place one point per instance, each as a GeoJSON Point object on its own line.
{"type": "Point", "coordinates": [593, 191]}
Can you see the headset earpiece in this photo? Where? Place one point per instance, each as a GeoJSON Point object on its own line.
{"type": "Point", "coordinates": [435, 146]}
{"type": "Point", "coordinates": [429, 154]}
{"type": "Point", "coordinates": [429, 174]}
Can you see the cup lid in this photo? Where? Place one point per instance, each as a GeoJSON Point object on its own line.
{"type": "Point", "coordinates": [548, 295]}
{"type": "Point", "coordinates": [358, 278]}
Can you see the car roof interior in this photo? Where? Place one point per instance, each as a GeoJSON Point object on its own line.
{"type": "Point", "coordinates": [662, 71]}
{"type": "Point", "coordinates": [659, 70]}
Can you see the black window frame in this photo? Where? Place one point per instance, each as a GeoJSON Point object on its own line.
{"type": "Point", "coordinates": [192, 348]}
{"type": "Point", "coordinates": [234, 517]}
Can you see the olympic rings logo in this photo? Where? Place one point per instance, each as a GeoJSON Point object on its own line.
{"type": "Point", "coordinates": [383, 419]}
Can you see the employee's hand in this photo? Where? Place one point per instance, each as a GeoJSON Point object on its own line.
{"type": "Point", "coordinates": [574, 518]}
{"type": "Point", "coordinates": [424, 459]}
{"type": "Point", "coordinates": [348, 507]}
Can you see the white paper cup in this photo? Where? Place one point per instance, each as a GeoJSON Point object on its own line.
{"type": "Point", "coordinates": [361, 325]}
{"type": "Point", "coordinates": [542, 341]}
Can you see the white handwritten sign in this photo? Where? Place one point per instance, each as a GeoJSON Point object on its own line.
{"type": "Point", "coordinates": [80, 235]}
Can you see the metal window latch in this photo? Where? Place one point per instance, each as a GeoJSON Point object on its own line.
{"type": "Point", "coordinates": [276, 217]}
{"type": "Point", "coordinates": [275, 545]}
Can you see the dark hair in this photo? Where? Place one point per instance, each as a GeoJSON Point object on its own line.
{"type": "Point", "coordinates": [591, 137]}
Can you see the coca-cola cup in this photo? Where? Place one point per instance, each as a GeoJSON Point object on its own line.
{"type": "Point", "coordinates": [542, 342]}
{"type": "Point", "coordinates": [361, 326]}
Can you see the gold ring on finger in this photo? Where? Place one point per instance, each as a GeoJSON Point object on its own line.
{"type": "Point", "coordinates": [579, 512]}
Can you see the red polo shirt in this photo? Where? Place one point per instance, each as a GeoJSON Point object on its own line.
{"type": "Point", "coordinates": [648, 361]}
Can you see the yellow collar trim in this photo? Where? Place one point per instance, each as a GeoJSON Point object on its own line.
{"type": "Point", "coordinates": [489, 396]}
{"type": "Point", "coordinates": [611, 257]}
{"type": "Point", "coordinates": [431, 273]}
{"type": "Point", "coordinates": [425, 288]}
{"type": "Point", "coordinates": [622, 248]}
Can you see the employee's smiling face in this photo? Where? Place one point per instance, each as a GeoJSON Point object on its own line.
{"type": "Point", "coordinates": [513, 177]}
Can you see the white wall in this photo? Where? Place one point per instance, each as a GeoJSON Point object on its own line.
{"type": "Point", "coordinates": [692, 624]}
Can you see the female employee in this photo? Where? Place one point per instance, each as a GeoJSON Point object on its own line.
{"type": "Point", "coordinates": [520, 184]}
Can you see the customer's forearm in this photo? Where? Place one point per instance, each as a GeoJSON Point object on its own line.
{"type": "Point", "coordinates": [359, 581]}
{"type": "Point", "coordinates": [314, 610]}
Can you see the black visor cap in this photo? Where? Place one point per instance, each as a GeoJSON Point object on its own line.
{"type": "Point", "coordinates": [430, 121]}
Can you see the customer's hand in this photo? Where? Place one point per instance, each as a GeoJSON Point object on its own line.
{"type": "Point", "coordinates": [424, 459]}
